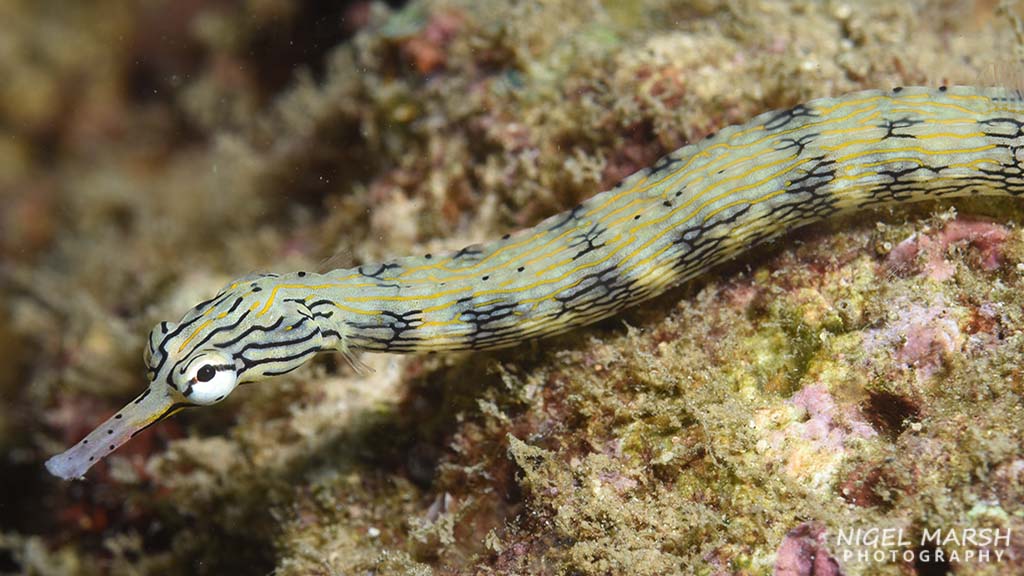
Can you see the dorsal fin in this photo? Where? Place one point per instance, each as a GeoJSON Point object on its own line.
{"type": "Point", "coordinates": [1005, 73]}
{"type": "Point", "coordinates": [343, 258]}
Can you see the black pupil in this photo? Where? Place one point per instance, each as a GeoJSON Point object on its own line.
{"type": "Point", "coordinates": [206, 373]}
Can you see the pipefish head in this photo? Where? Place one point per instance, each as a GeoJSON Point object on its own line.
{"type": "Point", "coordinates": [241, 335]}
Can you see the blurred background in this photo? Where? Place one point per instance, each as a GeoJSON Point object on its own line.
{"type": "Point", "coordinates": [152, 150]}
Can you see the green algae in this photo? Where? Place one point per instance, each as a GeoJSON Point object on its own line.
{"type": "Point", "coordinates": [678, 438]}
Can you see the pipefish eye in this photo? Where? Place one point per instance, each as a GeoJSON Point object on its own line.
{"type": "Point", "coordinates": [208, 377]}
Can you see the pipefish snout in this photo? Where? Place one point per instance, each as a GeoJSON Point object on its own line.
{"type": "Point", "coordinates": [694, 208]}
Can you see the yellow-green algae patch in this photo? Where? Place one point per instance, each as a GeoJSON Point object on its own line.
{"type": "Point", "coordinates": [817, 385]}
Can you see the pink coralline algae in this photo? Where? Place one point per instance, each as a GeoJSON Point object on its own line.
{"type": "Point", "coordinates": [925, 253]}
{"type": "Point", "coordinates": [803, 553]}
{"type": "Point", "coordinates": [825, 424]}
{"type": "Point", "coordinates": [813, 444]}
{"type": "Point", "coordinates": [923, 334]}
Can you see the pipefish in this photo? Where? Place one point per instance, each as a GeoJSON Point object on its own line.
{"type": "Point", "coordinates": [694, 208]}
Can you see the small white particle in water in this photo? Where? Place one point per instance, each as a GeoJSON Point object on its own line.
{"type": "Point", "coordinates": [373, 532]}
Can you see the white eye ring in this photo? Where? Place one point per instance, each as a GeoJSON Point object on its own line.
{"type": "Point", "coordinates": [210, 378]}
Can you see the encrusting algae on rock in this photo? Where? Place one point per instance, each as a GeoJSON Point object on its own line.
{"type": "Point", "coordinates": [836, 379]}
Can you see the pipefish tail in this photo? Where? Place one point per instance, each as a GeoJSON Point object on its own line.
{"type": "Point", "coordinates": [694, 208]}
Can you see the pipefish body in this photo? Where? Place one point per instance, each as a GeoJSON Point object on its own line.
{"type": "Point", "coordinates": [694, 208]}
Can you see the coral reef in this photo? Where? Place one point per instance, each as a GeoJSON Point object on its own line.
{"type": "Point", "coordinates": [860, 373]}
